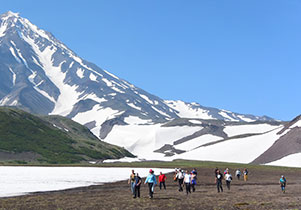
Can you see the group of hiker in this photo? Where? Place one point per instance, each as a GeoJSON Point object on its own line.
{"type": "Point", "coordinates": [185, 179]}
{"type": "Point", "coordinates": [135, 182]}
{"type": "Point", "coordinates": [189, 180]}
{"type": "Point", "coordinates": [228, 177]}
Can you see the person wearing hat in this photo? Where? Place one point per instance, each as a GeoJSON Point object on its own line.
{"type": "Point", "coordinates": [282, 183]}
{"type": "Point", "coordinates": [151, 180]}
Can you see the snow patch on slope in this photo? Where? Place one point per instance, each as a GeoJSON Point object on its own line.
{"type": "Point", "coordinates": [297, 124]}
{"type": "Point", "coordinates": [241, 150]}
{"type": "Point", "coordinates": [133, 120]}
{"type": "Point", "coordinates": [235, 130]}
{"type": "Point", "coordinates": [97, 113]}
{"type": "Point", "coordinates": [142, 140]}
{"type": "Point", "coordinates": [68, 94]}
{"type": "Point", "coordinates": [196, 142]}
{"type": "Point", "coordinates": [187, 111]}
{"type": "Point", "coordinates": [14, 76]}
{"type": "Point", "coordinates": [80, 73]}
{"type": "Point", "coordinates": [292, 160]}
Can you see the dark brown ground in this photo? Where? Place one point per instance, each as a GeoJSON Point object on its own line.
{"type": "Point", "coordinates": [260, 192]}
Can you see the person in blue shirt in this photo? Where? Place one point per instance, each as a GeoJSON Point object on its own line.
{"type": "Point", "coordinates": [151, 180]}
{"type": "Point", "coordinates": [282, 183]}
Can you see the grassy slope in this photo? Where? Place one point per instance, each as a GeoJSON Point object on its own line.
{"type": "Point", "coordinates": [24, 132]}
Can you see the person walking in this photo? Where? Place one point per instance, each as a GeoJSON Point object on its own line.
{"type": "Point", "coordinates": [194, 171]}
{"type": "Point", "coordinates": [218, 181]}
{"type": "Point", "coordinates": [162, 179]}
{"type": "Point", "coordinates": [151, 180]}
{"type": "Point", "coordinates": [246, 172]}
{"type": "Point", "coordinates": [187, 181]}
{"type": "Point", "coordinates": [180, 177]}
{"type": "Point", "coordinates": [282, 183]}
{"type": "Point", "coordinates": [138, 181]}
{"type": "Point", "coordinates": [226, 170]}
{"type": "Point", "coordinates": [131, 181]}
{"type": "Point", "coordinates": [238, 174]}
{"type": "Point", "coordinates": [175, 175]}
{"type": "Point", "coordinates": [193, 179]}
{"type": "Point", "coordinates": [228, 178]}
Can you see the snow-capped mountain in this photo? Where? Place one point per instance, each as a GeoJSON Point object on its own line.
{"type": "Point", "coordinates": [42, 75]}
{"type": "Point", "coordinates": [195, 110]}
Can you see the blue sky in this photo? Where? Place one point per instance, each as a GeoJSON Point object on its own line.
{"type": "Point", "coordinates": [243, 56]}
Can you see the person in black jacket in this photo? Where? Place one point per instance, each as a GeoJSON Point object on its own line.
{"type": "Point", "coordinates": [137, 186]}
{"type": "Point", "coordinates": [218, 181]}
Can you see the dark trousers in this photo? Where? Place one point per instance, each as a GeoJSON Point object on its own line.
{"type": "Point", "coordinates": [219, 186]}
{"type": "Point", "coordinates": [187, 186]}
{"type": "Point", "coordinates": [181, 184]}
{"type": "Point", "coordinates": [193, 188]}
{"type": "Point", "coordinates": [283, 187]}
{"type": "Point", "coordinates": [228, 184]}
{"type": "Point", "coordinates": [137, 191]}
{"type": "Point", "coordinates": [162, 183]}
{"type": "Point", "coordinates": [150, 188]}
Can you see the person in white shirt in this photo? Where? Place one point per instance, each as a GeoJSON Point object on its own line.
{"type": "Point", "coordinates": [228, 178]}
{"type": "Point", "coordinates": [238, 174]}
{"type": "Point", "coordinates": [180, 177]}
{"type": "Point", "coordinates": [187, 181]}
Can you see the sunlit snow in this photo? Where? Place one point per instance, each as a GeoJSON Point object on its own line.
{"type": "Point", "coordinates": [293, 160]}
{"type": "Point", "coordinates": [22, 180]}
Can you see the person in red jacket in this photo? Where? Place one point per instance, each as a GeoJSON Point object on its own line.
{"type": "Point", "coordinates": [162, 179]}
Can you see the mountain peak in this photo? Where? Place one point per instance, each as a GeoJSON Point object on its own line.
{"type": "Point", "coordinates": [10, 14]}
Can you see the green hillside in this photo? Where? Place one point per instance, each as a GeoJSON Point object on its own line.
{"type": "Point", "coordinates": [50, 139]}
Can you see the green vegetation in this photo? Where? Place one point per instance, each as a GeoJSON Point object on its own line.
{"type": "Point", "coordinates": [174, 164]}
{"type": "Point", "coordinates": [53, 138]}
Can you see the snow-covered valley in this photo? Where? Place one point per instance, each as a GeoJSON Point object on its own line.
{"type": "Point", "coordinates": [23, 180]}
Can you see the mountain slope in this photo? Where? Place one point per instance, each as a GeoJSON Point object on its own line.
{"type": "Point", "coordinates": [40, 74]}
{"type": "Point", "coordinates": [288, 143]}
{"type": "Point", "coordinates": [195, 110]}
{"type": "Point", "coordinates": [179, 137]}
{"type": "Point", "coordinates": [51, 139]}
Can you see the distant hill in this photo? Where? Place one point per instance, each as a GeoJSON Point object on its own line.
{"type": "Point", "coordinates": [50, 139]}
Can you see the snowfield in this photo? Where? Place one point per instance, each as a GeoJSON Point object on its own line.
{"type": "Point", "coordinates": [196, 142]}
{"type": "Point", "coordinates": [293, 160]}
{"type": "Point", "coordinates": [23, 180]}
{"type": "Point", "coordinates": [142, 140]}
{"type": "Point", "coordinates": [248, 129]}
{"type": "Point", "coordinates": [240, 150]}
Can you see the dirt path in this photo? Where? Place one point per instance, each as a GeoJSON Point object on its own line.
{"type": "Point", "coordinates": [260, 192]}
